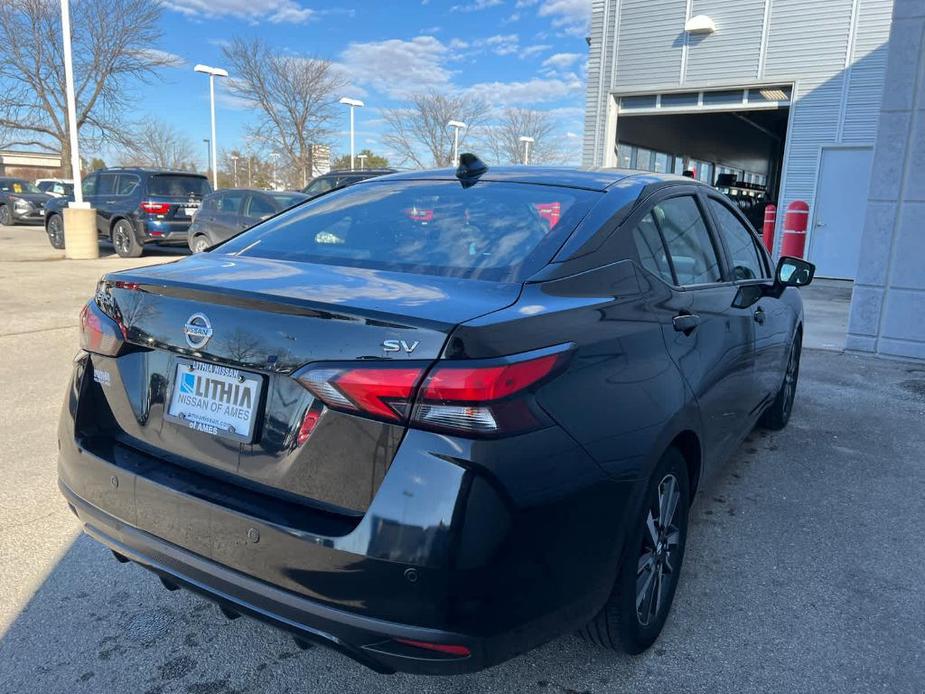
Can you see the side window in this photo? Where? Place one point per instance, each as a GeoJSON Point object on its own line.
{"type": "Point", "coordinates": [230, 202]}
{"type": "Point", "coordinates": [128, 184]}
{"type": "Point", "coordinates": [746, 260]}
{"type": "Point", "coordinates": [651, 250]}
{"type": "Point", "coordinates": [210, 203]}
{"type": "Point", "coordinates": [689, 246]}
{"type": "Point", "coordinates": [106, 184]}
{"type": "Point", "coordinates": [259, 207]}
{"type": "Point", "coordinates": [88, 187]}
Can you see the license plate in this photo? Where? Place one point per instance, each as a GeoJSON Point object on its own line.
{"type": "Point", "coordinates": [190, 211]}
{"type": "Point", "coordinates": [217, 400]}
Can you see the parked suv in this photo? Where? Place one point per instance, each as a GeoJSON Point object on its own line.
{"type": "Point", "coordinates": [227, 212]}
{"type": "Point", "coordinates": [435, 420]}
{"type": "Point", "coordinates": [21, 202]}
{"type": "Point", "coordinates": [135, 206]}
{"type": "Point", "coordinates": [339, 179]}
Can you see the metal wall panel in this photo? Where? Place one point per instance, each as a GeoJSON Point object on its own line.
{"type": "Point", "coordinates": [596, 91]}
{"type": "Point", "coordinates": [733, 51]}
{"type": "Point", "coordinates": [866, 76]}
{"type": "Point", "coordinates": [649, 49]}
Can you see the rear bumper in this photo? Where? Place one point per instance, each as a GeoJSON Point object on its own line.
{"type": "Point", "coordinates": [163, 231]}
{"type": "Point", "coordinates": [364, 639]}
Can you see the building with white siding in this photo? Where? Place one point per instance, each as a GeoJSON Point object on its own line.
{"type": "Point", "coordinates": [782, 93]}
{"type": "Point", "coordinates": [784, 97]}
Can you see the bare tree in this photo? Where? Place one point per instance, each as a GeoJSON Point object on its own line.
{"type": "Point", "coordinates": [503, 139]}
{"type": "Point", "coordinates": [108, 61]}
{"type": "Point", "coordinates": [294, 95]}
{"type": "Point", "coordinates": [419, 134]}
{"type": "Point", "coordinates": [157, 143]}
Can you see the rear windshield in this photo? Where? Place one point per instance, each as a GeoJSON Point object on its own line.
{"type": "Point", "coordinates": [178, 185]}
{"type": "Point", "coordinates": [492, 231]}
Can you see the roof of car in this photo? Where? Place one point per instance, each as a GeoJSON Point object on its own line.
{"type": "Point", "coordinates": [573, 177]}
{"type": "Point", "coordinates": [357, 172]}
{"type": "Point", "coordinates": [150, 169]}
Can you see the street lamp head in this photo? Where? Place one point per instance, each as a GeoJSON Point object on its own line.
{"type": "Point", "coordinates": [213, 71]}
{"type": "Point", "coordinates": [347, 101]}
{"type": "Point", "coordinates": [524, 138]}
{"type": "Point", "coordinates": [456, 124]}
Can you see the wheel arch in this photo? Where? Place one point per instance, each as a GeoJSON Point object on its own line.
{"type": "Point", "coordinates": [687, 443]}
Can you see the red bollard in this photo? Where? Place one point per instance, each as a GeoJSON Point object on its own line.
{"type": "Point", "coordinates": [795, 222]}
{"type": "Point", "coordinates": [767, 231]}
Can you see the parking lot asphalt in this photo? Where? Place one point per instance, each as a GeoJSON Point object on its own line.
{"type": "Point", "coordinates": [805, 570]}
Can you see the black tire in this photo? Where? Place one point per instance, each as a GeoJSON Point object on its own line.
{"type": "Point", "coordinates": [125, 241]}
{"type": "Point", "coordinates": [650, 564]}
{"type": "Point", "coordinates": [199, 244]}
{"type": "Point", "coordinates": [778, 414]}
{"type": "Point", "coordinates": [55, 230]}
{"type": "Point", "coordinates": [6, 217]}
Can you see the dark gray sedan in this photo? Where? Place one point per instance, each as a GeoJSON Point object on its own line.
{"type": "Point", "coordinates": [228, 212]}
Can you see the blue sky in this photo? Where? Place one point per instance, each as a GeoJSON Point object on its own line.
{"type": "Point", "coordinates": [524, 53]}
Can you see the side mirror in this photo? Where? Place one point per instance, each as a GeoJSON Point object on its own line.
{"type": "Point", "coordinates": [794, 272]}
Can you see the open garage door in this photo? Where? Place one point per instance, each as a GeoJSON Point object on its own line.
{"type": "Point", "coordinates": [732, 138]}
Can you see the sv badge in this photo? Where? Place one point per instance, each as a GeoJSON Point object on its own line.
{"type": "Point", "coordinates": [399, 346]}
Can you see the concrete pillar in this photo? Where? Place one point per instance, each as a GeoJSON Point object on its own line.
{"type": "Point", "coordinates": [80, 239]}
{"type": "Point", "coordinates": [888, 303]}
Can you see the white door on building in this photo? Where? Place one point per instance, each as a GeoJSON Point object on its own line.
{"type": "Point", "coordinates": [838, 216]}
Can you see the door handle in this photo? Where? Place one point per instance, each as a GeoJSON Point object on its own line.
{"type": "Point", "coordinates": [759, 315]}
{"type": "Point", "coordinates": [685, 322]}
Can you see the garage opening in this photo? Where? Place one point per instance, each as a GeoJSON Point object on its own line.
{"type": "Point", "coordinates": [733, 139]}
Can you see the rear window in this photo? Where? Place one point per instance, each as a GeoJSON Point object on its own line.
{"type": "Point", "coordinates": [492, 231]}
{"type": "Point", "coordinates": [173, 185]}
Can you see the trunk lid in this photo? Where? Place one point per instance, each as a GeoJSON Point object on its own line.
{"type": "Point", "coordinates": [267, 318]}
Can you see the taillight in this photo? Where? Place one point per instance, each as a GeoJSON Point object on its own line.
{"type": "Point", "coordinates": [98, 332]}
{"type": "Point", "coordinates": [483, 398]}
{"type": "Point", "coordinates": [155, 207]}
{"type": "Point", "coordinates": [476, 397]}
{"type": "Point", "coordinates": [381, 391]}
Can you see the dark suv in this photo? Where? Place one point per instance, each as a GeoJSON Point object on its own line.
{"type": "Point", "coordinates": [339, 179]}
{"type": "Point", "coordinates": [21, 202]}
{"type": "Point", "coordinates": [135, 206]}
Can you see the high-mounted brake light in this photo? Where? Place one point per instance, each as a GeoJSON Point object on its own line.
{"type": "Point", "coordinates": [98, 332]}
{"type": "Point", "coordinates": [472, 397]}
{"type": "Point", "coordinates": [155, 207]}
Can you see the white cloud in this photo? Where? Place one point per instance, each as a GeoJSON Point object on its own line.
{"type": "Point", "coordinates": [476, 6]}
{"type": "Point", "coordinates": [398, 67]}
{"type": "Point", "coordinates": [275, 11]}
{"type": "Point", "coordinates": [562, 61]}
{"type": "Point", "coordinates": [163, 57]}
{"type": "Point", "coordinates": [534, 91]}
{"type": "Point", "coordinates": [571, 16]}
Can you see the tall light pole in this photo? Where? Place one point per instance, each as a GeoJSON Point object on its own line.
{"type": "Point", "coordinates": [352, 104]}
{"type": "Point", "coordinates": [234, 161]}
{"type": "Point", "coordinates": [275, 157]}
{"type": "Point", "coordinates": [71, 102]}
{"type": "Point", "coordinates": [527, 142]}
{"type": "Point", "coordinates": [362, 158]}
{"type": "Point", "coordinates": [212, 72]}
{"type": "Point", "coordinates": [457, 125]}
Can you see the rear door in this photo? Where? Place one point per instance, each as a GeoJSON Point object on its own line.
{"type": "Point", "coordinates": [710, 340]}
{"type": "Point", "coordinates": [752, 274]}
{"type": "Point", "coordinates": [227, 219]}
{"type": "Point", "coordinates": [105, 200]}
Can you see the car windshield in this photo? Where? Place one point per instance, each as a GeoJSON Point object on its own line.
{"type": "Point", "coordinates": [16, 185]}
{"type": "Point", "coordinates": [174, 185]}
{"type": "Point", "coordinates": [492, 231]}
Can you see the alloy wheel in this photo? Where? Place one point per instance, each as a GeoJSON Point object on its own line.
{"type": "Point", "coordinates": [56, 231]}
{"type": "Point", "coordinates": [120, 240]}
{"type": "Point", "coordinates": [657, 565]}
